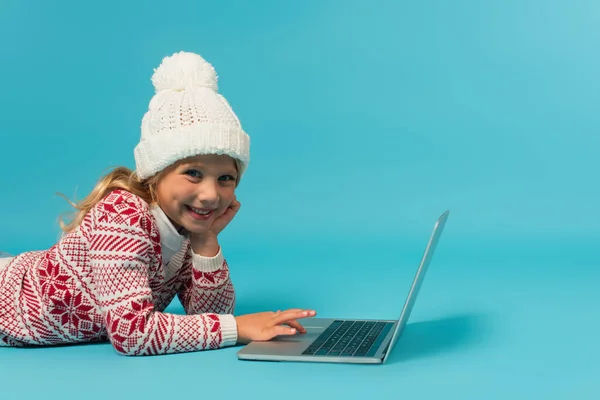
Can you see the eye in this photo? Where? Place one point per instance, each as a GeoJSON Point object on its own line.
{"type": "Point", "coordinates": [194, 173]}
{"type": "Point", "coordinates": [227, 178]}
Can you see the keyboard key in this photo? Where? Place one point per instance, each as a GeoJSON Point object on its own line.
{"type": "Point", "coordinates": [322, 352]}
{"type": "Point", "coordinates": [347, 338]}
{"type": "Point", "coordinates": [348, 351]}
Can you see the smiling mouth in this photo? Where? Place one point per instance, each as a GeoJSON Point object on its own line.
{"type": "Point", "coordinates": [200, 213]}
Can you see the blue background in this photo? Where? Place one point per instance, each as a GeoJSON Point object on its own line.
{"type": "Point", "coordinates": [368, 120]}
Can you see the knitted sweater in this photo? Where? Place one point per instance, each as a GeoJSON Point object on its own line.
{"type": "Point", "coordinates": [111, 279]}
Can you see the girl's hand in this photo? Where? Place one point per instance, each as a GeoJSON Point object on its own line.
{"type": "Point", "coordinates": [206, 243]}
{"type": "Point", "coordinates": [225, 218]}
{"type": "Point", "coordinates": [266, 325]}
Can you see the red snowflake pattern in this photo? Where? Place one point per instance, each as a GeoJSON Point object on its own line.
{"type": "Point", "coordinates": [106, 281]}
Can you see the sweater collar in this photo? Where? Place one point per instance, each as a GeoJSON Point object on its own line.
{"type": "Point", "coordinates": [170, 239]}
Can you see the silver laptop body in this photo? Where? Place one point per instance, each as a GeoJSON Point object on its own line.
{"type": "Point", "coordinates": [337, 340]}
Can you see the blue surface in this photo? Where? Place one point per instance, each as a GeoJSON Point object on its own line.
{"type": "Point", "coordinates": [368, 119]}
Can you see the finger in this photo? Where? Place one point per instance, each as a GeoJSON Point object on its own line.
{"type": "Point", "coordinates": [235, 205]}
{"type": "Point", "coordinates": [296, 325]}
{"type": "Point", "coordinates": [232, 209]}
{"type": "Point", "coordinates": [228, 213]}
{"type": "Point", "coordinates": [292, 314]}
{"type": "Point", "coordinates": [280, 330]}
{"type": "Point", "coordinates": [277, 313]}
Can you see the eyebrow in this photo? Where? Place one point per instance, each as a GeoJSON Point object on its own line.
{"type": "Point", "coordinates": [199, 165]}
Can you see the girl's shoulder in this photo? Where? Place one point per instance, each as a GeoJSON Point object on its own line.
{"type": "Point", "coordinates": [121, 206]}
{"type": "Point", "coordinates": [121, 199]}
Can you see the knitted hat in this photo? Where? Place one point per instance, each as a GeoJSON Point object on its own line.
{"type": "Point", "coordinates": [187, 117]}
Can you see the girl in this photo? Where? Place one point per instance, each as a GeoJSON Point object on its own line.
{"type": "Point", "coordinates": [142, 237]}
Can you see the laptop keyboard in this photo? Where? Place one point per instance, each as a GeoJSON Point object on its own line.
{"type": "Point", "coordinates": [350, 339]}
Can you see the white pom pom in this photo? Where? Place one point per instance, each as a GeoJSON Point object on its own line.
{"type": "Point", "coordinates": [183, 70]}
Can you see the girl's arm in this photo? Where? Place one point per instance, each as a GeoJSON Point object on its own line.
{"type": "Point", "coordinates": [122, 247]}
{"type": "Point", "coordinates": [207, 287]}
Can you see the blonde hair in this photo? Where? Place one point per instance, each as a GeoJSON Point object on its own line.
{"type": "Point", "coordinates": [118, 178]}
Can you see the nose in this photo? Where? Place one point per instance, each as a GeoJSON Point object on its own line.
{"type": "Point", "coordinates": [208, 193]}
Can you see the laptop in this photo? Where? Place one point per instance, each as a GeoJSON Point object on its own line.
{"type": "Point", "coordinates": [338, 340]}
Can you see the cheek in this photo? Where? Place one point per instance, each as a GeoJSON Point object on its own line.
{"type": "Point", "coordinates": [159, 193]}
{"type": "Point", "coordinates": [170, 192]}
{"type": "Point", "coordinates": [227, 196]}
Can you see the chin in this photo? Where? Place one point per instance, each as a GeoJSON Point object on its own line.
{"type": "Point", "coordinates": [196, 230]}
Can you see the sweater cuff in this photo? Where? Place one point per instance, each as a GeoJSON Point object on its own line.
{"type": "Point", "coordinates": [228, 330]}
{"type": "Point", "coordinates": [208, 264]}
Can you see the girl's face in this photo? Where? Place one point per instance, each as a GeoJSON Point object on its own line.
{"type": "Point", "coordinates": [197, 190]}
